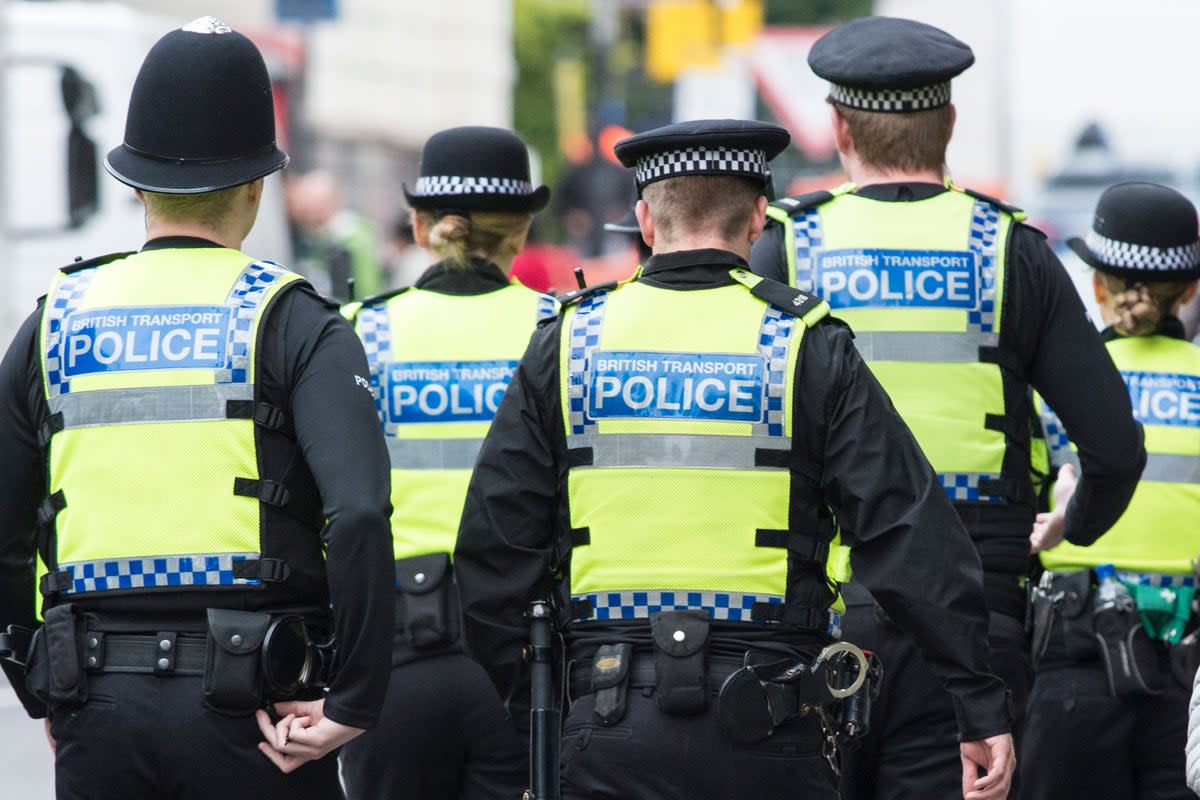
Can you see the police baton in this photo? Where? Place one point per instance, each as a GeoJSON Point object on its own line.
{"type": "Point", "coordinates": [543, 712]}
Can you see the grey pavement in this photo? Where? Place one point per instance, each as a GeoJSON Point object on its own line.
{"type": "Point", "coordinates": [25, 760]}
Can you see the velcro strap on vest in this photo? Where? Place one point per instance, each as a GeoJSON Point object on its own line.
{"type": "Point", "coordinates": [54, 582]}
{"type": "Point", "coordinates": [1015, 491]}
{"type": "Point", "coordinates": [582, 609]}
{"type": "Point", "coordinates": [53, 424]}
{"type": "Point", "coordinates": [581, 537]}
{"type": "Point", "coordinates": [263, 414]}
{"type": "Point", "coordinates": [1001, 357]}
{"type": "Point", "coordinates": [1011, 428]}
{"type": "Point", "coordinates": [770, 457]}
{"type": "Point", "coordinates": [805, 545]}
{"type": "Point", "coordinates": [580, 457]}
{"type": "Point", "coordinates": [805, 618]}
{"type": "Point", "coordinates": [50, 507]}
{"type": "Point", "coordinates": [267, 570]}
{"type": "Point", "coordinates": [269, 492]}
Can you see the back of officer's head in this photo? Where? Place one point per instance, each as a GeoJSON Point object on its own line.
{"type": "Point", "coordinates": [496, 236]}
{"type": "Point", "coordinates": [912, 142]}
{"type": "Point", "coordinates": [696, 205]}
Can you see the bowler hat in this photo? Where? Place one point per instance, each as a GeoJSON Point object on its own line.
{"type": "Point", "coordinates": [476, 168]}
{"type": "Point", "coordinates": [201, 117]}
{"type": "Point", "coordinates": [1142, 231]}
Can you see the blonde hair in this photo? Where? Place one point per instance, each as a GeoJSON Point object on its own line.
{"type": "Point", "coordinates": [208, 208]}
{"type": "Point", "coordinates": [1140, 306]}
{"type": "Point", "coordinates": [698, 203]}
{"type": "Point", "coordinates": [498, 236]}
{"type": "Point", "coordinates": [913, 141]}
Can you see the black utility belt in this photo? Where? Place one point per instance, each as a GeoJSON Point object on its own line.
{"type": "Point", "coordinates": [756, 692]}
{"type": "Point", "coordinates": [244, 658]}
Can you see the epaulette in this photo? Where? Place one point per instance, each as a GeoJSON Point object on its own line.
{"type": "Point", "coordinates": [786, 298]}
{"type": "Point", "coordinates": [79, 264]}
{"type": "Point", "coordinates": [381, 296]}
{"type": "Point", "coordinates": [570, 298]}
{"type": "Point", "coordinates": [1000, 204]}
{"type": "Point", "coordinates": [802, 201]}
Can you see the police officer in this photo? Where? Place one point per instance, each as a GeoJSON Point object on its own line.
{"type": "Point", "coordinates": [171, 462]}
{"type": "Point", "coordinates": [441, 354]}
{"type": "Point", "coordinates": [958, 308]}
{"type": "Point", "coordinates": [1121, 723]}
{"type": "Point", "coordinates": [663, 466]}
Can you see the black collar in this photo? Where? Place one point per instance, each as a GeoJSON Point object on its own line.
{"type": "Point", "coordinates": [178, 242]}
{"type": "Point", "coordinates": [1169, 326]}
{"type": "Point", "coordinates": [905, 192]}
{"type": "Point", "coordinates": [480, 276]}
{"type": "Point", "coordinates": [691, 269]}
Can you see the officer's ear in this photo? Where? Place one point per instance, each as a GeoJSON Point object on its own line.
{"type": "Point", "coordinates": [645, 222]}
{"type": "Point", "coordinates": [1100, 288]}
{"type": "Point", "coordinates": [841, 131]}
{"type": "Point", "coordinates": [1189, 293]}
{"type": "Point", "coordinates": [759, 220]}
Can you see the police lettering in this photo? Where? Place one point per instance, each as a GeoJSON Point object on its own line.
{"type": "Point", "coordinates": [439, 391]}
{"type": "Point", "coordinates": [642, 384]}
{"type": "Point", "coordinates": [923, 278]}
{"type": "Point", "coordinates": [1164, 398]}
{"type": "Point", "coordinates": [145, 338]}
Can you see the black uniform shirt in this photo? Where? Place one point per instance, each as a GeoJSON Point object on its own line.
{"type": "Point", "coordinates": [309, 362]}
{"type": "Point", "coordinates": [1056, 350]}
{"type": "Point", "coordinates": [910, 549]}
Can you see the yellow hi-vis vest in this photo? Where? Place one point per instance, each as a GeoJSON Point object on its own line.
{"type": "Point", "coordinates": [440, 364]}
{"type": "Point", "coordinates": [149, 365]}
{"type": "Point", "coordinates": [1158, 531]}
{"type": "Point", "coordinates": [921, 284]}
{"type": "Point", "coordinates": [677, 412]}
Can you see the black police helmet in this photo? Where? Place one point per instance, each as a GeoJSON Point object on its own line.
{"type": "Point", "coordinates": [201, 117]}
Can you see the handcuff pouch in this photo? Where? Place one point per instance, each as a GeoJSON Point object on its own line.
{"type": "Point", "coordinates": [680, 661]}
{"type": "Point", "coordinates": [1074, 613]}
{"type": "Point", "coordinates": [426, 604]}
{"type": "Point", "coordinates": [233, 661]}
{"type": "Point", "coordinates": [610, 682]}
{"type": "Point", "coordinates": [1130, 658]}
{"type": "Point", "coordinates": [55, 671]}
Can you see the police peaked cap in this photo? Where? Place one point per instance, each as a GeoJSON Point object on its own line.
{"type": "Point", "coordinates": [476, 168]}
{"type": "Point", "coordinates": [888, 64]}
{"type": "Point", "coordinates": [201, 117]}
{"type": "Point", "coordinates": [1142, 231]}
{"type": "Point", "coordinates": [737, 147]}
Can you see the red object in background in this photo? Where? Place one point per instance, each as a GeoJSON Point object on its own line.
{"type": "Point", "coordinates": [551, 268]}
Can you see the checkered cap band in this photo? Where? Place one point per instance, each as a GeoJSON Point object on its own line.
{"type": "Point", "coordinates": [920, 99]}
{"type": "Point", "coordinates": [702, 161]}
{"type": "Point", "coordinates": [442, 185]}
{"type": "Point", "coordinates": [1125, 255]}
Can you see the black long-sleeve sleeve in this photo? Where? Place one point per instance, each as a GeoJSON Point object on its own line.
{"type": "Point", "coordinates": [909, 547]}
{"type": "Point", "coordinates": [337, 429]}
{"type": "Point", "coordinates": [1071, 369]}
{"type": "Point", "coordinates": [22, 485]}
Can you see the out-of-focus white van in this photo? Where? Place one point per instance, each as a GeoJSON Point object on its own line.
{"type": "Point", "coordinates": [68, 70]}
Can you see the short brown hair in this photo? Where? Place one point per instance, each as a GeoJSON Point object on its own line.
{"type": "Point", "coordinates": [208, 208]}
{"type": "Point", "coordinates": [912, 141]}
{"type": "Point", "coordinates": [696, 203]}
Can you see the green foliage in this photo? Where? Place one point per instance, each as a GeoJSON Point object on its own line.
{"type": "Point", "coordinates": [814, 12]}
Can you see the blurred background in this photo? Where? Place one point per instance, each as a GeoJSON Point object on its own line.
{"type": "Point", "coordinates": [1066, 98]}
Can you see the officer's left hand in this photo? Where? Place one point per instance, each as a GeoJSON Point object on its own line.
{"type": "Point", "coordinates": [303, 734]}
{"type": "Point", "coordinates": [996, 756]}
{"type": "Point", "coordinates": [1050, 528]}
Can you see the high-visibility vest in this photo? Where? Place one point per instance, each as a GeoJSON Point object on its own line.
{"type": "Point", "coordinates": [149, 364]}
{"type": "Point", "coordinates": [921, 284]}
{"type": "Point", "coordinates": [440, 364]}
{"type": "Point", "coordinates": [678, 419]}
{"type": "Point", "coordinates": [1158, 531]}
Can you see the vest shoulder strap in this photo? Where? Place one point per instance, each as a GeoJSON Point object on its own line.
{"type": "Point", "coordinates": [571, 298]}
{"type": "Point", "coordinates": [1017, 213]}
{"type": "Point", "coordinates": [383, 296]}
{"type": "Point", "coordinates": [801, 202]}
{"type": "Point", "coordinates": [94, 262]}
{"type": "Point", "coordinates": [788, 299]}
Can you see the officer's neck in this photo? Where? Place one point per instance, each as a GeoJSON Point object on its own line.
{"type": "Point", "coordinates": [701, 242]}
{"type": "Point", "coordinates": [861, 174]}
{"type": "Point", "coordinates": [230, 236]}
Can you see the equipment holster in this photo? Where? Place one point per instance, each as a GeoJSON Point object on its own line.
{"type": "Point", "coordinates": [426, 602]}
{"type": "Point", "coordinates": [1130, 658]}
{"type": "Point", "coordinates": [610, 682]}
{"type": "Point", "coordinates": [54, 673]}
{"type": "Point", "coordinates": [680, 661]}
{"type": "Point", "coordinates": [233, 663]}
{"type": "Point", "coordinates": [1061, 602]}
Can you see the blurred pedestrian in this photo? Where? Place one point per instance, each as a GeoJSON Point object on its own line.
{"type": "Point", "coordinates": [1109, 718]}
{"type": "Point", "coordinates": [442, 354]}
{"type": "Point", "coordinates": [958, 308]}
{"type": "Point", "coordinates": [333, 243]}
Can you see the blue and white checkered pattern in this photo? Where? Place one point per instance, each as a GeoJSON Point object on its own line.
{"type": "Point", "coordinates": [115, 574]}
{"type": "Point", "coordinates": [962, 486]}
{"type": "Point", "coordinates": [375, 330]}
{"type": "Point", "coordinates": [774, 337]}
{"type": "Point", "coordinates": [1057, 439]}
{"type": "Point", "coordinates": [1158, 579]}
{"type": "Point", "coordinates": [586, 323]}
{"type": "Point", "coordinates": [806, 228]}
{"type": "Point", "coordinates": [244, 300]}
{"type": "Point", "coordinates": [547, 307]}
{"type": "Point", "coordinates": [728, 606]}
{"type": "Point", "coordinates": [985, 220]}
{"type": "Point", "coordinates": [66, 298]}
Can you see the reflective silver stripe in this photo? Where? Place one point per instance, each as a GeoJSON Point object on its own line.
{"type": "Point", "coordinates": [929, 346]}
{"type": "Point", "coordinates": [676, 450]}
{"type": "Point", "coordinates": [433, 453]}
{"type": "Point", "coordinates": [151, 404]}
{"type": "Point", "coordinates": [1171, 468]}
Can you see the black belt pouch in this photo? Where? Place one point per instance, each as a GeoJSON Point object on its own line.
{"type": "Point", "coordinates": [55, 672]}
{"type": "Point", "coordinates": [610, 682]}
{"type": "Point", "coordinates": [427, 604]}
{"type": "Point", "coordinates": [680, 661]}
{"type": "Point", "coordinates": [1075, 614]}
{"type": "Point", "coordinates": [233, 661]}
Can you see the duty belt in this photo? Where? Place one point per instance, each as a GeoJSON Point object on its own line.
{"type": "Point", "coordinates": [643, 675]}
{"type": "Point", "coordinates": [165, 653]}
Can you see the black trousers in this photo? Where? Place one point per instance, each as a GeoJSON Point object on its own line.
{"type": "Point", "coordinates": [912, 749]}
{"type": "Point", "coordinates": [443, 735]}
{"type": "Point", "coordinates": [652, 756]}
{"type": "Point", "coordinates": [1081, 742]}
{"type": "Point", "coordinates": [141, 736]}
